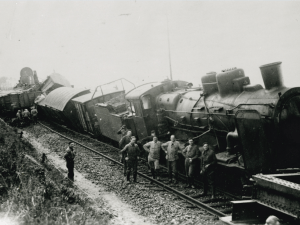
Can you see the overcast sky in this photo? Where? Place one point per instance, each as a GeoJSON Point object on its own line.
{"type": "Point", "coordinates": [94, 42]}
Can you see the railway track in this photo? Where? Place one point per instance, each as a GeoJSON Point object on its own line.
{"type": "Point", "coordinates": [217, 207]}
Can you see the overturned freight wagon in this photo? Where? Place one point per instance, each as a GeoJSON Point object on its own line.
{"type": "Point", "coordinates": [13, 100]}
{"type": "Point", "coordinates": [54, 81]}
{"type": "Point", "coordinates": [59, 108]}
{"type": "Point", "coordinates": [86, 112]}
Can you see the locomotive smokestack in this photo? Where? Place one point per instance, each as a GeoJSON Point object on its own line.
{"type": "Point", "coordinates": [272, 75]}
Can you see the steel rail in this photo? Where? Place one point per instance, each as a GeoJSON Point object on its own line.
{"type": "Point", "coordinates": [182, 176]}
{"type": "Point", "coordinates": [192, 201]}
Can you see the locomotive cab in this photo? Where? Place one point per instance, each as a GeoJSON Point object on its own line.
{"type": "Point", "coordinates": [143, 108]}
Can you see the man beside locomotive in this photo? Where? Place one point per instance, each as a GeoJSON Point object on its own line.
{"type": "Point", "coordinates": [69, 157]}
{"type": "Point", "coordinates": [172, 157]}
{"type": "Point", "coordinates": [153, 148]}
{"type": "Point", "coordinates": [132, 152]}
{"type": "Point", "coordinates": [191, 154]}
{"type": "Point", "coordinates": [145, 141]}
{"type": "Point", "coordinates": [207, 166]}
{"type": "Point", "coordinates": [123, 131]}
{"type": "Point", "coordinates": [123, 142]}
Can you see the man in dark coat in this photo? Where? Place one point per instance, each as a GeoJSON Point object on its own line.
{"type": "Point", "coordinates": [122, 143]}
{"type": "Point", "coordinates": [132, 152]}
{"type": "Point", "coordinates": [191, 154]}
{"type": "Point", "coordinates": [207, 166]}
{"type": "Point", "coordinates": [69, 157]}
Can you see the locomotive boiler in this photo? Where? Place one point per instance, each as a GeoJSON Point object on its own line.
{"type": "Point", "coordinates": [258, 124]}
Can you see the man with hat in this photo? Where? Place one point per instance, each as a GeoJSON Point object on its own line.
{"type": "Point", "coordinates": [191, 154]}
{"type": "Point", "coordinates": [132, 152]}
{"type": "Point", "coordinates": [207, 167]}
{"type": "Point", "coordinates": [123, 142]}
{"type": "Point", "coordinates": [69, 157]}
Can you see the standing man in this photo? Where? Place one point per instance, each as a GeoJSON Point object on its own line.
{"type": "Point", "coordinates": [191, 153]}
{"type": "Point", "coordinates": [145, 141]}
{"type": "Point", "coordinates": [132, 152]}
{"type": "Point", "coordinates": [19, 117]}
{"type": "Point", "coordinates": [122, 131]}
{"type": "Point", "coordinates": [34, 113]}
{"type": "Point", "coordinates": [153, 148]}
{"type": "Point", "coordinates": [26, 115]}
{"type": "Point", "coordinates": [123, 142]}
{"type": "Point", "coordinates": [172, 157]}
{"type": "Point", "coordinates": [69, 157]}
{"type": "Point", "coordinates": [207, 166]}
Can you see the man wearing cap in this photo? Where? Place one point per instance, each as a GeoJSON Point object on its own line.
{"type": "Point", "coordinates": [132, 152]}
{"type": "Point", "coordinates": [69, 157]}
{"type": "Point", "coordinates": [171, 149]}
{"type": "Point", "coordinates": [153, 147]}
{"type": "Point", "coordinates": [207, 167]}
{"type": "Point", "coordinates": [191, 154]}
{"type": "Point", "coordinates": [123, 142]}
{"type": "Point", "coordinates": [145, 141]}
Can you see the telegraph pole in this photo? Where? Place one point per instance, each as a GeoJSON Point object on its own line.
{"type": "Point", "coordinates": [171, 76]}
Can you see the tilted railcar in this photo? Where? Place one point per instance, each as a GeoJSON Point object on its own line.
{"type": "Point", "coordinates": [137, 110]}
{"type": "Point", "coordinates": [85, 109]}
{"type": "Point", "coordinates": [57, 104]}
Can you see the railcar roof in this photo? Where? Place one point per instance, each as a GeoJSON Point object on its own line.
{"type": "Point", "coordinates": [88, 97]}
{"type": "Point", "coordinates": [140, 90]}
{"type": "Point", "coordinates": [59, 97]}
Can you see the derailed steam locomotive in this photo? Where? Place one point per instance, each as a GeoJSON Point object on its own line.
{"type": "Point", "coordinates": [253, 129]}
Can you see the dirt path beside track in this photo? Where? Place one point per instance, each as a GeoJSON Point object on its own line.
{"type": "Point", "coordinates": [124, 215]}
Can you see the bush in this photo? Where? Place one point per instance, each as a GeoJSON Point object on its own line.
{"type": "Point", "coordinates": [32, 192]}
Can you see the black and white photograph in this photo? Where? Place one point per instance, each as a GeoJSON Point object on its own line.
{"type": "Point", "coordinates": [147, 112]}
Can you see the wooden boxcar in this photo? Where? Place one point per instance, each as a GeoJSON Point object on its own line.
{"type": "Point", "coordinates": [16, 99]}
{"type": "Point", "coordinates": [85, 108]}
{"type": "Point", "coordinates": [59, 108]}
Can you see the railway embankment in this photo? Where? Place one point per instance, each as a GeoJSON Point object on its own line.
{"type": "Point", "coordinates": [142, 204]}
{"type": "Point", "coordinates": [36, 192]}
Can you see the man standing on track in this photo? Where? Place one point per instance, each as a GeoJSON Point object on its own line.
{"type": "Point", "coordinates": [191, 154]}
{"type": "Point", "coordinates": [132, 152]}
{"type": "Point", "coordinates": [123, 142]}
{"type": "Point", "coordinates": [69, 157]}
{"type": "Point", "coordinates": [153, 148]}
{"type": "Point", "coordinates": [145, 141]}
{"type": "Point", "coordinates": [207, 166]}
{"type": "Point", "coordinates": [172, 157]}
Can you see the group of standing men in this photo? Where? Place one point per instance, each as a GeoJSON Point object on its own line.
{"type": "Point", "coordinates": [153, 146]}
{"type": "Point", "coordinates": [25, 115]}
